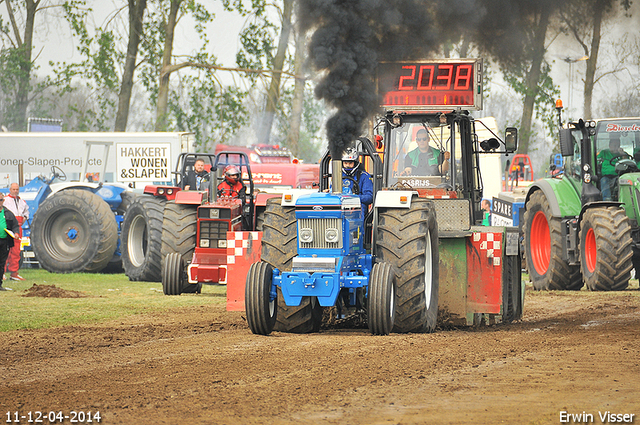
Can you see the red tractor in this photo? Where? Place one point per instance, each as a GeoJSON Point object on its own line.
{"type": "Point", "coordinates": [195, 226]}
{"type": "Point", "coordinates": [145, 243]}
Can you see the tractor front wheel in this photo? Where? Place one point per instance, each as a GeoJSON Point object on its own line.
{"type": "Point", "coordinates": [279, 246]}
{"type": "Point", "coordinates": [261, 306]}
{"type": "Point", "coordinates": [543, 248]}
{"type": "Point", "coordinates": [382, 299]}
{"type": "Point", "coordinates": [173, 274]}
{"type": "Point", "coordinates": [606, 255]}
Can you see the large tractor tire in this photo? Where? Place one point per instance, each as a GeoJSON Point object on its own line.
{"type": "Point", "coordinates": [141, 238]}
{"type": "Point", "coordinates": [179, 228]}
{"type": "Point", "coordinates": [408, 240]}
{"type": "Point", "coordinates": [543, 248]}
{"type": "Point", "coordinates": [606, 255]}
{"type": "Point", "coordinates": [382, 299]}
{"type": "Point", "coordinates": [512, 294]}
{"type": "Point", "coordinates": [279, 246]}
{"type": "Point", "coordinates": [74, 230]}
{"type": "Point", "coordinates": [261, 309]}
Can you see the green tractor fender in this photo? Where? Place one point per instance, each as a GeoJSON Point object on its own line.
{"type": "Point", "coordinates": [628, 189]}
{"type": "Point", "coordinates": [564, 199]}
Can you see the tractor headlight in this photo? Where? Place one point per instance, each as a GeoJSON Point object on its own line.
{"type": "Point", "coordinates": [214, 213]}
{"type": "Point", "coordinates": [161, 191]}
{"type": "Point", "coordinates": [306, 235]}
{"type": "Point", "coordinates": [204, 243]}
{"type": "Point", "coordinates": [169, 191]}
{"type": "Point", "coordinates": [331, 235]}
{"type": "Point", "coordinates": [222, 243]}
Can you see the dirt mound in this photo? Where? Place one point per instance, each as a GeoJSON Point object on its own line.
{"type": "Point", "coordinates": [51, 291]}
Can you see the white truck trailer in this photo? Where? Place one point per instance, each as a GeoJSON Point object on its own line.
{"type": "Point", "coordinates": [78, 186]}
{"type": "Point", "coordinates": [134, 159]}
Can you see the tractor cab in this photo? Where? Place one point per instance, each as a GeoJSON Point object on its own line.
{"type": "Point", "coordinates": [446, 164]}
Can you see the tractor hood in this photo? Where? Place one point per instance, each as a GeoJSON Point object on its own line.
{"type": "Point", "coordinates": [322, 199]}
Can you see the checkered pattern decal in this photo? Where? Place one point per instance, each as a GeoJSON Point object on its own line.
{"type": "Point", "coordinates": [491, 243]}
{"type": "Point", "coordinates": [238, 243]}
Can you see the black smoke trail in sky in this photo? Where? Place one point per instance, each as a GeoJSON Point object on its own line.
{"type": "Point", "coordinates": [350, 37]}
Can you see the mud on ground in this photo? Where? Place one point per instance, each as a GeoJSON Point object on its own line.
{"type": "Point", "coordinates": [573, 351]}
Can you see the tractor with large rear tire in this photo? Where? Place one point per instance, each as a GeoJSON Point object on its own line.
{"type": "Point", "coordinates": [573, 237]}
{"type": "Point", "coordinates": [419, 253]}
{"type": "Point", "coordinates": [74, 226]}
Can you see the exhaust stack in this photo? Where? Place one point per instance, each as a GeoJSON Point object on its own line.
{"type": "Point", "coordinates": [336, 176]}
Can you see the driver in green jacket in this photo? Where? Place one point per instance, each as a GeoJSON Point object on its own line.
{"type": "Point", "coordinates": [609, 157]}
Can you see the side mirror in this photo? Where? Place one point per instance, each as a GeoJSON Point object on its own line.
{"type": "Point", "coordinates": [566, 142]}
{"type": "Point", "coordinates": [511, 139]}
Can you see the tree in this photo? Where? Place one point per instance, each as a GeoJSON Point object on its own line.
{"type": "Point", "coordinates": [136, 15]}
{"type": "Point", "coordinates": [16, 62]}
{"type": "Point", "coordinates": [273, 92]}
{"type": "Point", "coordinates": [94, 80]}
{"type": "Point", "coordinates": [297, 102]}
{"type": "Point", "coordinates": [584, 20]}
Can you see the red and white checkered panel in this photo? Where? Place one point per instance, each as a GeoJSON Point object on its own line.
{"type": "Point", "coordinates": [489, 243]}
{"type": "Point", "coordinates": [243, 249]}
{"type": "Point", "coordinates": [238, 244]}
{"type": "Point", "coordinates": [484, 271]}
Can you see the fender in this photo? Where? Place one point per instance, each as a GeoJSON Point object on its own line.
{"type": "Point", "coordinates": [564, 199]}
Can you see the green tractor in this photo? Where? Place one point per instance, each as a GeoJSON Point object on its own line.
{"type": "Point", "coordinates": [582, 227]}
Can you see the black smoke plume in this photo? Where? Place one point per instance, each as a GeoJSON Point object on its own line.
{"type": "Point", "coordinates": [350, 37]}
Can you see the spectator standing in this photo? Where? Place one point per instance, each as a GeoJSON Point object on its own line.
{"type": "Point", "coordinates": [486, 212]}
{"type": "Point", "coordinates": [9, 229]}
{"type": "Point", "coordinates": [14, 203]}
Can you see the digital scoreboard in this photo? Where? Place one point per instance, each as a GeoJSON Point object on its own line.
{"type": "Point", "coordinates": [431, 85]}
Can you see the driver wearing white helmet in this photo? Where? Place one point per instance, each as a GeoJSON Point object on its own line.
{"type": "Point", "coordinates": [355, 180]}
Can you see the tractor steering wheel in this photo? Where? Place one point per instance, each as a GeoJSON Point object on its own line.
{"type": "Point", "coordinates": [57, 172]}
{"type": "Point", "coordinates": [623, 155]}
{"type": "Point", "coordinates": [355, 188]}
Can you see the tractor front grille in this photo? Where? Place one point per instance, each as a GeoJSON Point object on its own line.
{"type": "Point", "coordinates": [213, 231]}
{"type": "Point", "coordinates": [319, 228]}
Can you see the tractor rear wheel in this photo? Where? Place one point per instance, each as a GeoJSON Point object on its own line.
{"type": "Point", "coordinates": [261, 308]}
{"type": "Point", "coordinates": [382, 299]}
{"type": "Point", "coordinates": [512, 289]}
{"type": "Point", "coordinates": [74, 230]}
{"type": "Point", "coordinates": [279, 246]}
{"type": "Point", "coordinates": [173, 274]}
{"type": "Point", "coordinates": [142, 239]}
{"type": "Point", "coordinates": [179, 227]}
{"type": "Point", "coordinates": [606, 255]}
{"type": "Point", "coordinates": [543, 248]}
{"type": "Point", "coordinates": [408, 240]}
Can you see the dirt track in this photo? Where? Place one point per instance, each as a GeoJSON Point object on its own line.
{"type": "Point", "coordinates": [575, 352]}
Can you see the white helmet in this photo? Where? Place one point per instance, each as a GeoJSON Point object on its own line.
{"type": "Point", "coordinates": [350, 154]}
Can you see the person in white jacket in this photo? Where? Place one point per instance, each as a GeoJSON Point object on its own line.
{"type": "Point", "coordinates": [14, 203]}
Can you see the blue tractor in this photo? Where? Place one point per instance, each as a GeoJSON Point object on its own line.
{"type": "Point", "coordinates": [74, 226]}
{"type": "Point", "coordinates": [318, 251]}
